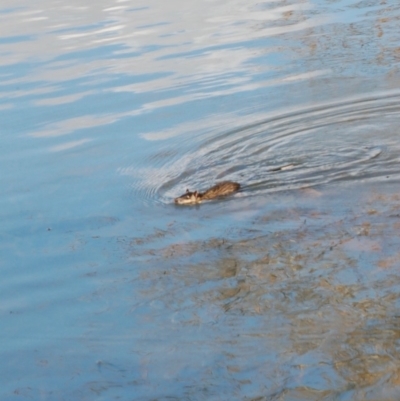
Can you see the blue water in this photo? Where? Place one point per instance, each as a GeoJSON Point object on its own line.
{"type": "Point", "coordinates": [286, 291]}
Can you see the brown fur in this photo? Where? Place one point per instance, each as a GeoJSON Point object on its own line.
{"type": "Point", "coordinates": [221, 189]}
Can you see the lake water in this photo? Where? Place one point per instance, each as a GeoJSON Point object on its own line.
{"type": "Point", "coordinates": [288, 290]}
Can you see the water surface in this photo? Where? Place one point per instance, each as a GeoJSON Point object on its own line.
{"type": "Point", "coordinates": [286, 291]}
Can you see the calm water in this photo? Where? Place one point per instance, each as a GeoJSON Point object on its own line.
{"type": "Point", "coordinates": [288, 290]}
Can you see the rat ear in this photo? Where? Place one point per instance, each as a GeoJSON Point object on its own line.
{"type": "Point", "coordinates": [187, 191]}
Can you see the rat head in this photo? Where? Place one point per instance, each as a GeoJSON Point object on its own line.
{"type": "Point", "coordinates": [188, 198]}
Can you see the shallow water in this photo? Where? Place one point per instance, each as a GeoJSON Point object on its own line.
{"type": "Point", "coordinates": [287, 290]}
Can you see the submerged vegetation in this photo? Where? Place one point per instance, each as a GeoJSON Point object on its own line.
{"type": "Point", "coordinates": [314, 299]}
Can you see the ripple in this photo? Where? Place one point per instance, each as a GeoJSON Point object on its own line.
{"type": "Point", "coordinates": [353, 139]}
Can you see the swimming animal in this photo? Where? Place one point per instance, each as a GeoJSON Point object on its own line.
{"type": "Point", "coordinates": [221, 189]}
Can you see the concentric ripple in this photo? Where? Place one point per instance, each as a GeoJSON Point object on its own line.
{"type": "Point", "coordinates": [355, 139]}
